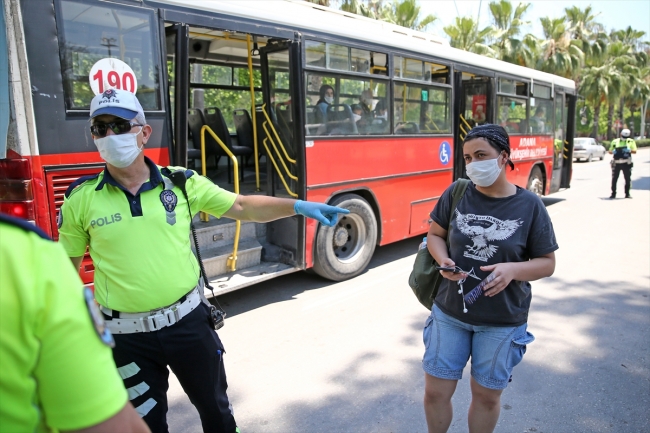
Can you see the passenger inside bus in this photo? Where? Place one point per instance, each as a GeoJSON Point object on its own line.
{"type": "Point", "coordinates": [380, 121]}
{"type": "Point", "coordinates": [538, 121]}
{"type": "Point", "coordinates": [365, 101]}
{"type": "Point", "coordinates": [326, 99]}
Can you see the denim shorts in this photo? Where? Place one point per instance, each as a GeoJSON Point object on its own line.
{"type": "Point", "coordinates": [494, 350]}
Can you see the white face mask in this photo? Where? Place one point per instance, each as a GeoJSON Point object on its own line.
{"type": "Point", "coordinates": [329, 99]}
{"type": "Point", "coordinates": [119, 150]}
{"type": "Point", "coordinates": [484, 173]}
{"type": "Point", "coordinates": [383, 116]}
{"type": "Point", "coordinates": [356, 117]}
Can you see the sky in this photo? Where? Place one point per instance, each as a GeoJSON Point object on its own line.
{"type": "Point", "coordinates": [613, 14]}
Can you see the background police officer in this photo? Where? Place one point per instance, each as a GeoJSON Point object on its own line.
{"type": "Point", "coordinates": [136, 223]}
{"type": "Point", "coordinates": [622, 150]}
{"type": "Point", "coordinates": [57, 371]}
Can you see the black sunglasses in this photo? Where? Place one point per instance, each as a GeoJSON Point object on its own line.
{"type": "Point", "coordinates": [118, 127]}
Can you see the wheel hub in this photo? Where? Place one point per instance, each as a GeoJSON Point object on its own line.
{"type": "Point", "coordinates": [340, 236]}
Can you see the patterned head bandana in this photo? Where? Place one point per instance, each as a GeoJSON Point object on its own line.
{"type": "Point", "coordinates": [495, 135]}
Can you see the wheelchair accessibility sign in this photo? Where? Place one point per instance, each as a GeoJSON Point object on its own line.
{"type": "Point", "coordinates": [444, 153]}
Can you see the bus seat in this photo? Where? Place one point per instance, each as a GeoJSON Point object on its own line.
{"type": "Point", "coordinates": [215, 120]}
{"type": "Point", "coordinates": [195, 121]}
{"type": "Point", "coordinates": [244, 128]}
{"type": "Point", "coordinates": [340, 120]}
{"type": "Point", "coordinates": [407, 128]}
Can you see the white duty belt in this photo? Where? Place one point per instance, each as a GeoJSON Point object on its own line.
{"type": "Point", "coordinates": [131, 323]}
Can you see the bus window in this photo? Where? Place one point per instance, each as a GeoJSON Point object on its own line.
{"type": "Point", "coordinates": [512, 114]}
{"type": "Point", "coordinates": [436, 73]}
{"type": "Point", "coordinates": [345, 105]}
{"type": "Point", "coordinates": [343, 58]}
{"type": "Point", "coordinates": [224, 87]}
{"type": "Point", "coordinates": [541, 121]}
{"type": "Point", "coordinates": [90, 33]}
{"type": "Point", "coordinates": [421, 109]}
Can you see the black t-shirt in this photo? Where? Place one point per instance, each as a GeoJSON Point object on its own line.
{"type": "Point", "coordinates": [486, 231]}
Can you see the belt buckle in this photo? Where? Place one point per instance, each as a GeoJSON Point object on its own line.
{"type": "Point", "coordinates": [157, 321]}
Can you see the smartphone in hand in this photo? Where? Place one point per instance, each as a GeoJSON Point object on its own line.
{"type": "Point", "coordinates": [442, 268]}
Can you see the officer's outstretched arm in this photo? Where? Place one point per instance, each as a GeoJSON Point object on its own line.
{"type": "Point", "coordinates": [126, 420]}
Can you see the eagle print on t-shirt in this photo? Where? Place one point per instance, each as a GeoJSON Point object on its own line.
{"type": "Point", "coordinates": [484, 228]}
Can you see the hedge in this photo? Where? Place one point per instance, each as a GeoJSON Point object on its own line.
{"type": "Point", "coordinates": [639, 143]}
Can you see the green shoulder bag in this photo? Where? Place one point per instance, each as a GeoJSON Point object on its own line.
{"type": "Point", "coordinates": [425, 279]}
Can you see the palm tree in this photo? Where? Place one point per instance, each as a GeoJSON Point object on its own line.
{"type": "Point", "coordinates": [506, 28]}
{"type": "Point", "coordinates": [561, 54]}
{"type": "Point", "coordinates": [598, 82]}
{"type": "Point", "coordinates": [640, 94]}
{"type": "Point", "coordinates": [406, 13]}
{"type": "Point", "coordinates": [584, 28]}
{"type": "Point", "coordinates": [464, 34]}
{"type": "Point", "coordinates": [628, 43]}
{"type": "Point", "coordinates": [357, 7]}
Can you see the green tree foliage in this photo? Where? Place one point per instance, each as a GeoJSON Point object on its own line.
{"type": "Point", "coordinates": [508, 42]}
{"type": "Point", "coordinates": [611, 71]}
{"type": "Point", "coordinates": [465, 35]}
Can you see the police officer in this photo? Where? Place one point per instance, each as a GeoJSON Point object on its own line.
{"type": "Point", "coordinates": [136, 222]}
{"type": "Point", "coordinates": [57, 371]}
{"type": "Point", "coordinates": [622, 150]}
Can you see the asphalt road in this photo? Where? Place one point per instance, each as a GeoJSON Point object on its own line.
{"type": "Point", "coordinates": [307, 355]}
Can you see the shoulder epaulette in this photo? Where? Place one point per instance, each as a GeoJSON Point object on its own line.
{"type": "Point", "coordinates": [23, 224]}
{"type": "Point", "coordinates": [78, 182]}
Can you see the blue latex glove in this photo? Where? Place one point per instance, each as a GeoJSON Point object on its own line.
{"type": "Point", "coordinates": [326, 214]}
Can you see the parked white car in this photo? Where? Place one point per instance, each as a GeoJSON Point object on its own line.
{"type": "Point", "coordinates": [585, 148]}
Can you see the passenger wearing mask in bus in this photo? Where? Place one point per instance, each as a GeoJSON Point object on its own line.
{"type": "Point", "coordinates": [538, 121]}
{"type": "Point", "coordinates": [381, 110]}
{"type": "Point", "coordinates": [326, 99]}
{"type": "Point", "coordinates": [362, 121]}
{"type": "Point", "coordinates": [365, 101]}
{"type": "Point", "coordinates": [380, 123]}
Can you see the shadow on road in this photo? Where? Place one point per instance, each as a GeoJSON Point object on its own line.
{"type": "Point", "coordinates": [549, 201]}
{"type": "Point", "coordinates": [287, 287]}
{"type": "Point", "coordinates": [642, 183]}
{"type": "Point", "coordinates": [591, 383]}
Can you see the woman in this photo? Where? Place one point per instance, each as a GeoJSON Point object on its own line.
{"type": "Point", "coordinates": [326, 99]}
{"type": "Point", "coordinates": [498, 230]}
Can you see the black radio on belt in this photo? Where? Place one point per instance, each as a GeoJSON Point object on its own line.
{"type": "Point", "coordinates": [216, 316]}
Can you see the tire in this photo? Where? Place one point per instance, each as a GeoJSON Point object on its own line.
{"type": "Point", "coordinates": [344, 251]}
{"type": "Point", "coordinates": [602, 156]}
{"type": "Point", "coordinates": [536, 182]}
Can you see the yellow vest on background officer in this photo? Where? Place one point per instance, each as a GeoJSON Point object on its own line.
{"type": "Point", "coordinates": [135, 218]}
{"type": "Point", "coordinates": [622, 149]}
{"type": "Point", "coordinates": [56, 368]}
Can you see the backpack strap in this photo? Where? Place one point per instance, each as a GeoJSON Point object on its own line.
{"type": "Point", "coordinates": [456, 194]}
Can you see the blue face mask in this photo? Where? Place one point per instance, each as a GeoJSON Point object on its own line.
{"type": "Point", "coordinates": [119, 150]}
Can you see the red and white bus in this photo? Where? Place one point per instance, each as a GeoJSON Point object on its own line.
{"type": "Point", "coordinates": [317, 104]}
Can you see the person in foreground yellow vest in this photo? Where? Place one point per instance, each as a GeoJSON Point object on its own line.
{"type": "Point", "coordinates": [56, 368]}
{"type": "Point", "coordinates": [622, 150]}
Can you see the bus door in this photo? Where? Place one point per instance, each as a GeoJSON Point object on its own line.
{"type": "Point", "coordinates": [559, 140]}
{"type": "Point", "coordinates": [177, 61]}
{"type": "Point", "coordinates": [569, 132]}
{"type": "Point", "coordinates": [473, 106]}
{"type": "Point", "coordinates": [281, 138]}
{"type": "Point", "coordinates": [281, 118]}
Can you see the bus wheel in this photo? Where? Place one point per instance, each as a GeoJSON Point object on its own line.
{"type": "Point", "coordinates": [344, 251]}
{"type": "Point", "coordinates": [536, 182]}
